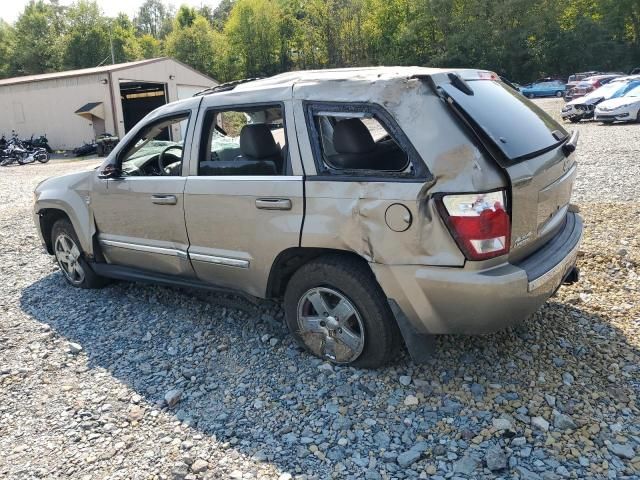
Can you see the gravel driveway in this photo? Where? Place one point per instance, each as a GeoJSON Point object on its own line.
{"type": "Point", "coordinates": [85, 376]}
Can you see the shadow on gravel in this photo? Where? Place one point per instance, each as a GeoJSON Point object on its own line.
{"type": "Point", "coordinates": [244, 380]}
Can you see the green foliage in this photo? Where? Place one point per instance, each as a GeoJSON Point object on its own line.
{"type": "Point", "coordinates": [521, 39]}
{"type": "Point", "coordinates": [193, 42]}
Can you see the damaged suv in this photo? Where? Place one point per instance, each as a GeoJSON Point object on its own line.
{"type": "Point", "coordinates": [381, 205]}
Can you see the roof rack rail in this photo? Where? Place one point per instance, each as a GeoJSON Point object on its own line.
{"type": "Point", "coordinates": [225, 87]}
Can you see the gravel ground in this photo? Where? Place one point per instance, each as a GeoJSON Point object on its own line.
{"type": "Point", "coordinates": [86, 376]}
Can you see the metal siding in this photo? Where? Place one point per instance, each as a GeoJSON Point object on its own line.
{"type": "Point", "coordinates": [48, 106]}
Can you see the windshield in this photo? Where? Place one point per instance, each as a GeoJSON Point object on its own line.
{"type": "Point", "coordinates": [518, 127]}
{"type": "Point", "coordinates": [634, 92]}
{"type": "Point", "coordinates": [607, 91]}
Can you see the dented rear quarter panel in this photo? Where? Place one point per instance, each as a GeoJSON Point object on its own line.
{"type": "Point", "coordinates": [350, 215]}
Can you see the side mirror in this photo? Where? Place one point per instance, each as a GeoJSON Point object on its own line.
{"type": "Point", "coordinates": [110, 172]}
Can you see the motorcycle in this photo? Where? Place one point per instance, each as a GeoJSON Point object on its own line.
{"type": "Point", "coordinates": [40, 142]}
{"type": "Point", "coordinates": [15, 151]}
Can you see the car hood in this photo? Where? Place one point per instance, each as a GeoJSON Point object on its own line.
{"type": "Point", "coordinates": [618, 102]}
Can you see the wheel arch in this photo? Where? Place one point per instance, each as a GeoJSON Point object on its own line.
{"type": "Point", "coordinates": [49, 214]}
{"type": "Point", "coordinates": [290, 260]}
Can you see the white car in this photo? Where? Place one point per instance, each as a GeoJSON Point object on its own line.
{"type": "Point", "coordinates": [583, 108]}
{"type": "Point", "coordinates": [622, 109]}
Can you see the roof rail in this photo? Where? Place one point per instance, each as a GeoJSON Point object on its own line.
{"type": "Point", "coordinates": [224, 87]}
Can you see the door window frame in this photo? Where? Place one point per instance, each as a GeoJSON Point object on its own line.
{"type": "Point", "coordinates": [117, 162]}
{"type": "Point", "coordinates": [238, 107]}
{"type": "Point", "coordinates": [312, 108]}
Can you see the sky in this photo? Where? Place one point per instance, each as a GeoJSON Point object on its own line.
{"type": "Point", "coordinates": [11, 9]}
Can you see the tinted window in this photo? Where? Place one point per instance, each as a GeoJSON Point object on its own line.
{"type": "Point", "coordinates": [517, 126]}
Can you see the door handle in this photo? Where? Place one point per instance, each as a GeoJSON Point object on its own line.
{"type": "Point", "coordinates": [164, 199]}
{"type": "Point", "coordinates": [273, 203]}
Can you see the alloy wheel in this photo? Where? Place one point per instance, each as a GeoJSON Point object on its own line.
{"type": "Point", "coordinates": [68, 255]}
{"type": "Point", "coordinates": [330, 325]}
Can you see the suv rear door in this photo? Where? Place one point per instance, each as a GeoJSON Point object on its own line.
{"type": "Point", "coordinates": [240, 215]}
{"type": "Point", "coordinates": [531, 147]}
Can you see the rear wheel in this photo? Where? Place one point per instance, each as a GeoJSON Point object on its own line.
{"type": "Point", "coordinates": [559, 93]}
{"type": "Point", "coordinates": [43, 156]}
{"type": "Point", "coordinates": [336, 310]}
{"type": "Point", "coordinates": [530, 95]}
{"type": "Point", "coordinates": [70, 257]}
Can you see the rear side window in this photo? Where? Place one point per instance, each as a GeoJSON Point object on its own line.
{"type": "Point", "coordinates": [359, 140]}
{"type": "Point", "coordinates": [518, 127]}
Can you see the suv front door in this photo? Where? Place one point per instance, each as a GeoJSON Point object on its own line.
{"type": "Point", "coordinates": [139, 211]}
{"type": "Point", "coordinates": [244, 200]}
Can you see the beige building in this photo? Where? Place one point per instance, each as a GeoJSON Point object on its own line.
{"type": "Point", "coordinates": [73, 107]}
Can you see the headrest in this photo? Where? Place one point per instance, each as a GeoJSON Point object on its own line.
{"type": "Point", "coordinates": [256, 141]}
{"type": "Point", "coordinates": [352, 136]}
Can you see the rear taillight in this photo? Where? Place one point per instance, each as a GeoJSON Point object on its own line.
{"type": "Point", "coordinates": [479, 223]}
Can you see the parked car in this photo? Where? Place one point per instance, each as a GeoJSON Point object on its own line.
{"type": "Point", "coordinates": [583, 108]}
{"type": "Point", "coordinates": [590, 84]}
{"type": "Point", "coordinates": [544, 88]}
{"type": "Point", "coordinates": [379, 204]}
{"type": "Point", "coordinates": [621, 109]}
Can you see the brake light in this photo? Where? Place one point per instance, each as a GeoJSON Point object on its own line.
{"type": "Point", "coordinates": [478, 222]}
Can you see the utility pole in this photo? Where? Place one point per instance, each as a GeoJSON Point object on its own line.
{"type": "Point", "coordinates": [113, 57]}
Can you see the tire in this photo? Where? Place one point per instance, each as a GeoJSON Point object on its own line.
{"type": "Point", "coordinates": [350, 282]}
{"type": "Point", "coordinates": [530, 95]}
{"type": "Point", "coordinates": [559, 94]}
{"type": "Point", "coordinates": [70, 257]}
{"type": "Point", "coordinates": [638, 117]}
{"type": "Point", "coordinates": [43, 157]}
{"type": "Point", "coordinates": [574, 119]}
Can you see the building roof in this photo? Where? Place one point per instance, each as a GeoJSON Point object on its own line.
{"type": "Point", "coordinates": [88, 71]}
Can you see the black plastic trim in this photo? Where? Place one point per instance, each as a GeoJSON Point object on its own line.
{"type": "Point", "coordinates": [131, 274]}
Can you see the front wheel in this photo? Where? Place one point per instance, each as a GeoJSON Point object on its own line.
{"type": "Point", "coordinates": [336, 310]}
{"type": "Point", "coordinates": [70, 258]}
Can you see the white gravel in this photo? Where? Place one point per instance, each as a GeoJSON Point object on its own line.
{"type": "Point", "coordinates": [85, 376]}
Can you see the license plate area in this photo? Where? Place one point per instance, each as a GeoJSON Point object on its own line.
{"type": "Point", "coordinates": [554, 199]}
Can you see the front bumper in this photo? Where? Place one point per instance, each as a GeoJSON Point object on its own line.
{"type": "Point", "coordinates": [440, 300]}
{"type": "Point", "coordinates": [612, 116]}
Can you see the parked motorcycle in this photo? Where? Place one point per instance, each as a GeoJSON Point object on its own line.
{"type": "Point", "coordinates": [15, 151]}
{"type": "Point", "coordinates": [40, 142]}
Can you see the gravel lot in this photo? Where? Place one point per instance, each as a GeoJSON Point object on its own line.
{"type": "Point", "coordinates": [85, 375]}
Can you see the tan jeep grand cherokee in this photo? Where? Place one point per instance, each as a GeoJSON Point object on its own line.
{"type": "Point", "coordinates": [381, 205]}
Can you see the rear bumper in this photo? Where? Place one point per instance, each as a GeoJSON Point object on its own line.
{"type": "Point", "coordinates": [437, 300]}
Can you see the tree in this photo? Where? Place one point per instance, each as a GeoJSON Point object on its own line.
{"type": "Point", "coordinates": [86, 43]}
{"type": "Point", "coordinates": [37, 39]}
{"type": "Point", "coordinates": [150, 47]}
{"type": "Point", "coordinates": [153, 18]}
{"type": "Point", "coordinates": [7, 48]}
{"type": "Point", "coordinates": [193, 43]}
{"type": "Point", "coordinates": [126, 46]}
{"type": "Point", "coordinates": [252, 32]}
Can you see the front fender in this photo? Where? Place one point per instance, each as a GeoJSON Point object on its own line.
{"type": "Point", "coordinates": [69, 194]}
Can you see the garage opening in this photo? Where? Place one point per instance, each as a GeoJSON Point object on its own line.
{"type": "Point", "coordinates": [140, 98]}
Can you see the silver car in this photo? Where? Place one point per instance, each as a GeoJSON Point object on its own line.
{"type": "Point", "coordinates": [381, 205]}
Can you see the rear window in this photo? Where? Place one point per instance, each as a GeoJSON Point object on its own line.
{"type": "Point", "coordinates": [518, 127]}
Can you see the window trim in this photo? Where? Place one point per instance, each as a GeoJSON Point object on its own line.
{"type": "Point", "coordinates": [312, 108]}
{"type": "Point", "coordinates": [288, 171]}
{"type": "Point", "coordinates": [173, 115]}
